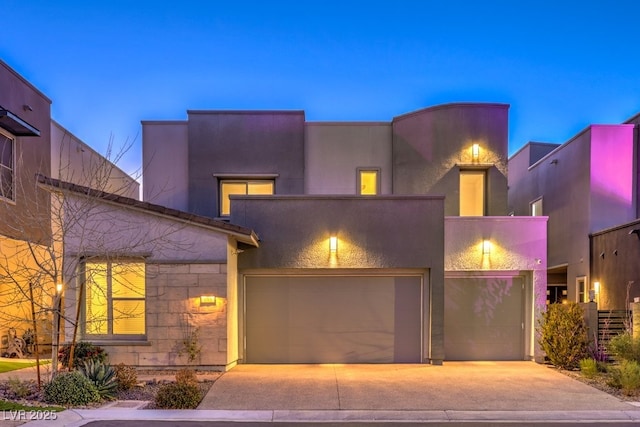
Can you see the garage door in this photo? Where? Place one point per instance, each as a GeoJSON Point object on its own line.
{"type": "Point", "coordinates": [333, 319]}
{"type": "Point", "coordinates": [484, 318]}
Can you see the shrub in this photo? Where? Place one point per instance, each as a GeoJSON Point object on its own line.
{"type": "Point", "coordinates": [589, 367]}
{"type": "Point", "coordinates": [625, 376]}
{"type": "Point", "coordinates": [71, 388]}
{"type": "Point", "coordinates": [625, 347]}
{"type": "Point", "coordinates": [126, 376]}
{"type": "Point", "coordinates": [18, 388]}
{"type": "Point", "coordinates": [186, 376]}
{"type": "Point", "coordinates": [178, 396]}
{"type": "Point", "coordinates": [563, 334]}
{"type": "Point", "coordinates": [102, 376]}
{"type": "Point", "coordinates": [82, 351]}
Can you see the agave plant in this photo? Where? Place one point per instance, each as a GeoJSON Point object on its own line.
{"type": "Point", "coordinates": [103, 376]}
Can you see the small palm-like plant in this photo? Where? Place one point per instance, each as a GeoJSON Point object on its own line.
{"type": "Point", "coordinates": [103, 376]}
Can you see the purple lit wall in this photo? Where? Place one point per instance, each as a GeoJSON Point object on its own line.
{"type": "Point", "coordinates": [611, 175]}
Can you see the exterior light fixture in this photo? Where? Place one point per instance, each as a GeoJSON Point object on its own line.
{"type": "Point", "coordinates": [333, 244]}
{"type": "Point", "coordinates": [486, 247]}
{"type": "Point", "coordinates": [475, 152]}
{"type": "Point", "coordinates": [596, 287]}
{"type": "Point", "coordinates": [59, 287]}
{"type": "Point", "coordinates": [207, 299]}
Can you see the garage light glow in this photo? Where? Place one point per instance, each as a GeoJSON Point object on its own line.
{"type": "Point", "coordinates": [486, 247]}
{"type": "Point", "coordinates": [208, 299]}
{"type": "Point", "coordinates": [333, 244]}
{"type": "Point", "coordinates": [475, 152]}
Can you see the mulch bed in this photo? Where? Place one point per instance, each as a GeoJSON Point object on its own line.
{"type": "Point", "coordinates": [28, 394]}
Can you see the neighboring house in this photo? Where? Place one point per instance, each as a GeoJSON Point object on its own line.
{"type": "Point", "coordinates": [380, 242]}
{"type": "Point", "coordinates": [588, 187]}
{"type": "Point", "coordinates": [31, 249]}
{"type": "Point", "coordinates": [144, 275]}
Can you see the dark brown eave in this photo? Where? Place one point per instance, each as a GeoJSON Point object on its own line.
{"type": "Point", "coordinates": [242, 234]}
{"type": "Point", "coordinates": [15, 125]}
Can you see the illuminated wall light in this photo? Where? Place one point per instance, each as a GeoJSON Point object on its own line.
{"type": "Point", "coordinates": [475, 152]}
{"type": "Point", "coordinates": [208, 299]}
{"type": "Point", "coordinates": [59, 287]}
{"type": "Point", "coordinates": [333, 244]}
{"type": "Point", "coordinates": [596, 287]}
{"type": "Point", "coordinates": [486, 247]}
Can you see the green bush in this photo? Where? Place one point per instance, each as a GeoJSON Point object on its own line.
{"type": "Point", "coordinates": [625, 376]}
{"type": "Point", "coordinates": [563, 335]}
{"type": "Point", "coordinates": [178, 396]}
{"type": "Point", "coordinates": [102, 376]}
{"type": "Point", "coordinates": [82, 351]}
{"type": "Point", "coordinates": [71, 388]}
{"type": "Point", "coordinates": [589, 367]}
{"type": "Point", "coordinates": [126, 376]}
{"type": "Point", "coordinates": [625, 347]}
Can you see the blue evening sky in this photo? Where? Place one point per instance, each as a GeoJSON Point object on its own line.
{"type": "Point", "coordinates": [106, 65]}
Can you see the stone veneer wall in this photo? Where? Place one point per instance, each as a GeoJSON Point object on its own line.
{"type": "Point", "coordinates": [173, 307]}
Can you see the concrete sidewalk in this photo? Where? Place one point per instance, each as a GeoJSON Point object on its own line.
{"type": "Point", "coordinates": [455, 392]}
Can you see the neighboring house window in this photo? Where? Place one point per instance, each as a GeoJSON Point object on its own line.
{"type": "Point", "coordinates": [472, 192]}
{"type": "Point", "coordinates": [583, 294]}
{"type": "Point", "coordinates": [115, 298]}
{"type": "Point", "coordinates": [368, 181]}
{"type": "Point", "coordinates": [536, 207]}
{"type": "Point", "coordinates": [7, 168]}
{"type": "Point", "coordinates": [241, 187]}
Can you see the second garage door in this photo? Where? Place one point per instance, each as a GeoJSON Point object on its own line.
{"type": "Point", "coordinates": [484, 318]}
{"type": "Point", "coordinates": [333, 319]}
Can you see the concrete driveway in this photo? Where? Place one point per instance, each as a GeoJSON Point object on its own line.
{"type": "Point", "coordinates": [456, 386]}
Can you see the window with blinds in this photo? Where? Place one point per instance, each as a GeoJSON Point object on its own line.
{"type": "Point", "coordinates": [115, 298]}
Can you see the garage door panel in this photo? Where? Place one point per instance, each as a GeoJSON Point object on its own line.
{"type": "Point", "coordinates": [331, 319]}
{"type": "Point", "coordinates": [483, 318]}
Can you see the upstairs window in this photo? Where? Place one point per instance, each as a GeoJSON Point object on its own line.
{"type": "Point", "coordinates": [472, 192]}
{"type": "Point", "coordinates": [368, 182]}
{"type": "Point", "coordinates": [115, 298]}
{"type": "Point", "coordinates": [7, 166]}
{"type": "Point", "coordinates": [230, 187]}
{"type": "Point", "coordinates": [536, 207]}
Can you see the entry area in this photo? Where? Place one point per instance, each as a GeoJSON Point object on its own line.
{"type": "Point", "coordinates": [485, 318]}
{"type": "Point", "coordinates": [333, 318]}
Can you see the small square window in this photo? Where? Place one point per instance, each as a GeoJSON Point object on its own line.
{"type": "Point", "coordinates": [368, 182]}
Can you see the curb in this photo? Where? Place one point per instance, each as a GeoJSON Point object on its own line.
{"type": "Point", "coordinates": [80, 417]}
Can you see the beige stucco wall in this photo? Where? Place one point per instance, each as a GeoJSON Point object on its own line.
{"type": "Point", "coordinates": [334, 151]}
{"type": "Point", "coordinates": [74, 161]}
{"type": "Point", "coordinates": [518, 245]}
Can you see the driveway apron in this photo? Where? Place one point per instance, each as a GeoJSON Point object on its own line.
{"type": "Point", "coordinates": [455, 386]}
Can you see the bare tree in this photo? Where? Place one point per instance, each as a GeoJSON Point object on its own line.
{"type": "Point", "coordinates": [32, 251]}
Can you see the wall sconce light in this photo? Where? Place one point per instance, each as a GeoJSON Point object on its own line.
{"type": "Point", "coordinates": [486, 247]}
{"type": "Point", "coordinates": [596, 287]}
{"type": "Point", "coordinates": [333, 244]}
{"type": "Point", "coordinates": [208, 299]}
{"type": "Point", "coordinates": [475, 152]}
{"type": "Point", "coordinates": [59, 287]}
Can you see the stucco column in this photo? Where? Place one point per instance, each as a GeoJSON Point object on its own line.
{"type": "Point", "coordinates": [591, 318]}
{"type": "Point", "coordinates": [635, 318]}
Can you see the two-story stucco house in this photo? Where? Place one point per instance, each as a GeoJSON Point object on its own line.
{"type": "Point", "coordinates": [588, 188]}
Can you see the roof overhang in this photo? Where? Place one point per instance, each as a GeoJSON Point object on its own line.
{"type": "Point", "coordinates": [14, 124]}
